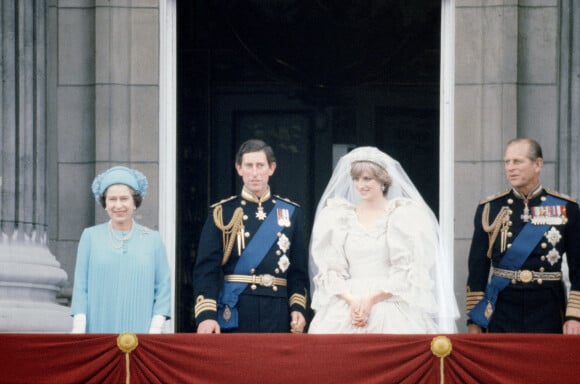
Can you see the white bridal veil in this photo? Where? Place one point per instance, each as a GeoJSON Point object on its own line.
{"type": "Point", "coordinates": [341, 185]}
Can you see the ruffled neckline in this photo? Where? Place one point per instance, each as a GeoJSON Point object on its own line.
{"type": "Point", "coordinates": [350, 219]}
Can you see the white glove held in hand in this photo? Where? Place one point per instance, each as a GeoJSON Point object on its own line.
{"type": "Point", "coordinates": [79, 323]}
{"type": "Point", "coordinates": [157, 323]}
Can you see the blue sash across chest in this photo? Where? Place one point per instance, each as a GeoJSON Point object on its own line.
{"type": "Point", "coordinates": [513, 259]}
{"type": "Point", "coordinates": [251, 257]}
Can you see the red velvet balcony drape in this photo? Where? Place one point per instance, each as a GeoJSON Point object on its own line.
{"type": "Point", "coordinates": [296, 359]}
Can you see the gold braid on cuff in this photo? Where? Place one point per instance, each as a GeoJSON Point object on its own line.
{"type": "Point", "coordinates": [472, 298]}
{"type": "Point", "coordinates": [573, 309]}
{"type": "Point", "coordinates": [202, 304]}
{"type": "Point", "coordinates": [298, 299]}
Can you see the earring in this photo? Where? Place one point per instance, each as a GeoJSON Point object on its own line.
{"type": "Point", "coordinates": [383, 187]}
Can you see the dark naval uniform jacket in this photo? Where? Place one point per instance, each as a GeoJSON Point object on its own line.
{"type": "Point", "coordinates": [535, 298]}
{"type": "Point", "coordinates": [276, 287]}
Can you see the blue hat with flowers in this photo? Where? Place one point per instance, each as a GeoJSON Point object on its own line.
{"type": "Point", "coordinates": [119, 175]}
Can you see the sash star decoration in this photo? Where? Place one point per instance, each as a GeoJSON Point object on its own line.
{"type": "Point", "coordinates": [554, 236]}
{"type": "Point", "coordinates": [553, 256]}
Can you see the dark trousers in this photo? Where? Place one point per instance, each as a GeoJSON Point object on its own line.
{"type": "Point", "coordinates": [530, 308]}
{"type": "Point", "coordinates": [262, 314]}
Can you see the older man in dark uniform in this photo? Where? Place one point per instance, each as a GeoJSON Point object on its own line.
{"type": "Point", "coordinates": [523, 234]}
{"type": "Point", "coordinates": [251, 272]}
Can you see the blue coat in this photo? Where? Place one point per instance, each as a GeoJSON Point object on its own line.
{"type": "Point", "coordinates": [121, 288]}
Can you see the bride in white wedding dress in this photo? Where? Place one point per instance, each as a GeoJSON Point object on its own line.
{"type": "Point", "coordinates": [376, 260]}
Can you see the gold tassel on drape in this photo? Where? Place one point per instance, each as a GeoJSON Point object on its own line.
{"type": "Point", "coordinates": [127, 342]}
{"type": "Point", "coordinates": [441, 347]}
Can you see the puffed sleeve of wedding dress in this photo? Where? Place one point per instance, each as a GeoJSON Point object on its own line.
{"type": "Point", "coordinates": [412, 242]}
{"type": "Point", "coordinates": [328, 235]}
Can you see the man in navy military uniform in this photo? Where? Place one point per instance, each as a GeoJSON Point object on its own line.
{"type": "Point", "coordinates": [251, 272]}
{"type": "Point", "coordinates": [524, 233]}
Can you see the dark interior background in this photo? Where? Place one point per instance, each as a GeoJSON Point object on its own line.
{"type": "Point", "coordinates": [305, 76]}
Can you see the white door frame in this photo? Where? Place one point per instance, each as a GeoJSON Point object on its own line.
{"type": "Point", "coordinates": [167, 135]}
{"type": "Point", "coordinates": [168, 128]}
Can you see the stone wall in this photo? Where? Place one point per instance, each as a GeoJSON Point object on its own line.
{"type": "Point", "coordinates": [103, 110]}
{"type": "Point", "coordinates": [514, 77]}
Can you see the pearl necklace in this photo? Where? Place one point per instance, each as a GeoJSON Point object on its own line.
{"type": "Point", "coordinates": [116, 241]}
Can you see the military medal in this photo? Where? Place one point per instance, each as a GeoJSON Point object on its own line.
{"type": "Point", "coordinates": [227, 313]}
{"type": "Point", "coordinates": [488, 310]}
{"type": "Point", "coordinates": [553, 256]}
{"type": "Point", "coordinates": [526, 216]}
{"type": "Point", "coordinates": [549, 215]}
{"type": "Point", "coordinates": [260, 214]}
{"type": "Point", "coordinates": [554, 236]}
{"type": "Point", "coordinates": [283, 217]}
{"type": "Point", "coordinates": [284, 263]}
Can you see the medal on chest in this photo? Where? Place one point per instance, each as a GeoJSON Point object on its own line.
{"type": "Point", "coordinates": [260, 214]}
{"type": "Point", "coordinates": [549, 214]}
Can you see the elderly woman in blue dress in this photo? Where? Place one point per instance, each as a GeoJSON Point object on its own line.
{"type": "Point", "coordinates": [122, 280]}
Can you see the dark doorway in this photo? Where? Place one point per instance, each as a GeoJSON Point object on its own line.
{"type": "Point", "coordinates": [308, 77]}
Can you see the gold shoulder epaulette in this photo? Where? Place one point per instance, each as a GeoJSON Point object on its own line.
{"type": "Point", "coordinates": [223, 201]}
{"type": "Point", "coordinates": [287, 200]}
{"type": "Point", "coordinates": [560, 195]}
{"type": "Point", "coordinates": [496, 196]}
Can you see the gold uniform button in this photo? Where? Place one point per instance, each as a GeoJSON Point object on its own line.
{"type": "Point", "coordinates": [278, 253]}
{"type": "Point", "coordinates": [277, 271]}
{"type": "Point", "coordinates": [544, 245]}
{"type": "Point", "coordinates": [510, 201]}
{"type": "Point", "coordinates": [543, 198]}
{"type": "Point", "coordinates": [247, 234]}
{"type": "Point", "coordinates": [509, 245]}
{"type": "Point", "coordinates": [543, 258]}
{"type": "Point", "coordinates": [542, 269]}
{"type": "Point", "coordinates": [509, 234]}
{"type": "Point", "coordinates": [245, 217]}
{"type": "Point", "coordinates": [243, 202]}
{"type": "Point", "coordinates": [254, 287]}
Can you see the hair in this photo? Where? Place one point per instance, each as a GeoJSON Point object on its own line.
{"type": "Point", "coordinates": [255, 145]}
{"type": "Point", "coordinates": [137, 198]}
{"type": "Point", "coordinates": [535, 148]}
{"type": "Point", "coordinates": [379, 173]}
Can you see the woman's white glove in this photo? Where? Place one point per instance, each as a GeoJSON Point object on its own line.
{"type": "Point", "coordinates": [79, 323]}
{"type": "Point", "coordinates": [157, 323]}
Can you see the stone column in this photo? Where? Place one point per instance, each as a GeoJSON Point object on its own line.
{"type": "Point", "coordinates": [30, 276]}
{"type": "Point", "coordinates": [486, 73]}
